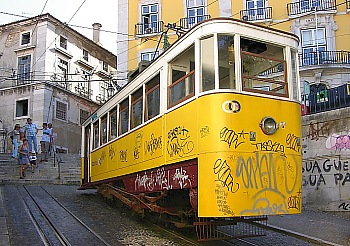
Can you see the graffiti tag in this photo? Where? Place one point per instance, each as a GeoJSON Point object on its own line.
{"type": "Point", "coordinates": [179, 142]}
{"type": "Point", "coordinates": [153, 144]}
{"type": "Point", "coordinates": [204, 131]}
{"type": "Point", "coordinates": [269, 146]}
{"type": "Point", "coordinates": [338, 142]}
{"type": "Point", "coordinates": [224, 176]}
{"type": "Point", "coordinates": [231, 137]}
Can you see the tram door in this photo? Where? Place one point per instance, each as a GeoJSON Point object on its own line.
{"type": "Point", "coordinates": [87, 154]}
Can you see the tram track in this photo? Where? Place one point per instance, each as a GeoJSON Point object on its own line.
{"type": "Point", "coordinates": [50, 218]}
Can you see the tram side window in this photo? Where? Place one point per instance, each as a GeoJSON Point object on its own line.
{"type": "Point", "coordinates": [104, 129]}
{"type": "Point", "coordinates": [124, 116]}
{"type": "Point", "coordinates": [113, 123]}
{"type": "Point", "coordinates": [136, 108]}
{"type": "Point", "coordinates": [227, 79]}
{"type": "Point", "coordinates": [152, 98]}
{"type": "Point", "coordinates": [181, 77]}
{"type": "Point", "coordinates": [207, 63]}
{"type": "Point", "coordinates": [294, 75]}
{"type": "Point", "coordinates": [96, 135]}
{"type": "Point", "coordinates": [263, 68]}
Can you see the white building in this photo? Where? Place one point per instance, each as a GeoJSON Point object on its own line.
{"type": "Point", "coordinates": [52, 73]}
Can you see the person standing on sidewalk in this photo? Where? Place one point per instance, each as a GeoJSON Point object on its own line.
{"type": "Point", "coordinates": [23, 159]}
{"type": "Point", "coordinates": [51, 149]}
{"type": "Point", "coordinates": [30, 132]}
{"type": "Point", "coordinates": [45, 143]}
{"type": "Point", "coordinates": [16, 140]}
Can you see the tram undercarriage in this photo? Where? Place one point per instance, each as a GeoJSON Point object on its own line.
{"type": "Point", "coordinates": [179, 208]}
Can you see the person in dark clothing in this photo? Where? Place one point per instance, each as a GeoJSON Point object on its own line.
{"type": "Point", "coordinates": [23, 159]}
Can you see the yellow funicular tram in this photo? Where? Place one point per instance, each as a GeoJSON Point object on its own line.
{"type": "Point", "coordinates": [209, 134]}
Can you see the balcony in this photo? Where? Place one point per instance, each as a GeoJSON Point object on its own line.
{"type": "Point", "coordinates": [149, 28]}
{"type": "Point", "coordinates": [307, 7]}
{"type": "Point", "coordinates": [83, 91]}
{"type": "Point", "coordinates": [348, 5]}
{"type": "Point", "coordinates": [324, 57]}
{"type": "Point", "coordinates": [24, 78]}
{"type": "Point", "coordinates": [259, 14]}
{"type": "Point", "coordinates": [189, 22]}
{"type": "Point", "coordinates": [84, 63]}
{"type": "Point", "coordinates": [326, 99]}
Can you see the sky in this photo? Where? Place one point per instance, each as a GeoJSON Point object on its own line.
{"type": "Point", "coordinates": [75, 12]}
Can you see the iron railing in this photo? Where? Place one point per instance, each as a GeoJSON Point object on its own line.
{"type": "Point", "coordinates": [324, 57]}
{"type": "Point", "coordinates": [189, 22]}
{"type": "Point", "coordinates": [83, 91]}
{"type": "Point", "coordinates": [302, 7]}
{"type": "Point", "coordinates": [325, 100]}
{"type": "Point", "coordinates": [24, 78]}
{"type": "Point", "coordinates": [149, 28]}
{"type": "Point", "coordinates": [348, 4]}
{"type": "Point", "coordinates": [258, 14]}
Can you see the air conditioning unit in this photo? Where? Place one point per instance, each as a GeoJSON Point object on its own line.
{"type": "Point", "coordinates": [148, 30]}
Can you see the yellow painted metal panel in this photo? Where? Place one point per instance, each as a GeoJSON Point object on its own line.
{"type": "Point", "coordinates": [139, 150]}
{"type": "Point", "coordinates": [248, 184]}
{"type": "Point", "coordinates": [242, 171]}
{"type": "Point", "coordinates": [181, 133]}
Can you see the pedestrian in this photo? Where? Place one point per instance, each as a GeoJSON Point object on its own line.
{"type": "Point", "coordinates": [32, 160]}
{"type": "Point", "coordinates": [30, 132]}
{"type": "Point", "coordinates": [45, 143]}
{"type": "Point", "coordinates": [51, 139]}
{"type": "Point", "coordinates": [23, 160]}
{"type": "Point", "coordinates": [15, 136]}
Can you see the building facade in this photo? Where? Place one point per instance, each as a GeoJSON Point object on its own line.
{"type": "Point", "coordinates": [52, 73]}
{"type": "Point", "coordinates": [324, 64]}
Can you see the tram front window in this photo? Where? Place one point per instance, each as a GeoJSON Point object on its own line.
{"type": "Point", "coordinates": [226, 62]}
{"type": "Point", "coordinates": [263, 68]}
{"type": "Point", "coordinates": [207, 63]}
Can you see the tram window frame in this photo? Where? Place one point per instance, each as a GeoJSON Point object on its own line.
{"type": "Point", "coordinates": [152, 98]}
{"type": "Point", "coordinates": [253, 50]}
{"type": "Point", "coordinates": [184, 65]}
{"type": "Point", "coordinates": [226, 61]}
{"type": "Point", "coordinates": [96, 134]}
{"type": "Point", "coordinates": [103, 130]}
{"type": "Point", "coordinates": [124, 108]}
{"type": "Point", "coordinates": [136, 100]}
{"type": "Point", "coordinates": [296, 88]}
{"type": "Point", "coordinates": [113, 124]}
{"type": "Point", "coordinates": [207, 63]}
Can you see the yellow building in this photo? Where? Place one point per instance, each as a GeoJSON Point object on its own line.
{"type": "Point", "coordinates": [145, 28]}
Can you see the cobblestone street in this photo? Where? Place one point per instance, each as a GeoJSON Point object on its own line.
{"type": "Point", "coordinates": [115, 226]}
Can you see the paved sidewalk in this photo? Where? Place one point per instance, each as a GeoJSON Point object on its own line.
{"type": "Point", "coordinates": [324, 228]}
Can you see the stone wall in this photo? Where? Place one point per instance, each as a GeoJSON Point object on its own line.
{"type": "Point", "coordinates": [326, 160]}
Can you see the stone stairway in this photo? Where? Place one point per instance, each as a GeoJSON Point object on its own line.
{"type": "Point", "coordinates": [60, 169]}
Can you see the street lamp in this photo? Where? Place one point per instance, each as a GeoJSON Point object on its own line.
{"type": "Point", "coordinates": [110, 90]}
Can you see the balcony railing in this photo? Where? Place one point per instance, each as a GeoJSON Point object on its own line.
{"type": "Point", "coordinates": [24, 78]}
{"type": "Point", "coordinates": [348, 5]}
{"type": "Point", "coordinates": [83, 91]}
{"type": "Point", "coordinates": [149, 28]}
{"type": "Point", "coordinates": [258, 14]}
{"type": "Point", "coordinates": [189, 22]}
{"type": "Point", "coordinates": [325, 100]}
{"type": "Point", "coordinates": [324, 57]}
{"type": "Point", "coordinates": [310, 6]}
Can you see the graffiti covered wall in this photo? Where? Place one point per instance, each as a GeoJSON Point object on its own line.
{"type": "Point", "coordinates": [326, 160]}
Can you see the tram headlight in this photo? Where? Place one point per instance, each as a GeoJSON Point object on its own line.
{"type": "Point", "coordinates": [268, 125]}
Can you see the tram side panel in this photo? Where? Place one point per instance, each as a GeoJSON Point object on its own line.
{"type": "Point", "coordinates": [241, 170]}
{"type": "Point", "coordinates": [137, 151]}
